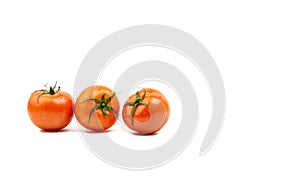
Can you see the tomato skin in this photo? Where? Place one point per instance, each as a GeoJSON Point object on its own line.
{"type": "Point", "coordinates": [147, 119]}
{"type": "Point", "coordinates": [98, 120]}
{"type": "Point", "coordinates": [50, 112]}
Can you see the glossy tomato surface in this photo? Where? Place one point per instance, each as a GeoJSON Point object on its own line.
{"type": "Point", "coordinates": [50, 112]}
{"type": "Point", "coordinates": [146, 112]}
{"type": "Point", "coordinates": [97, 108]}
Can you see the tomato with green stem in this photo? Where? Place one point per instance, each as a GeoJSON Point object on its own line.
{"type": "Point", "coordinates": [146, 111]}
{"type": "Point", "coordinates": [50, 109]}
{"type": "Point", "coordinates": [97, 108]}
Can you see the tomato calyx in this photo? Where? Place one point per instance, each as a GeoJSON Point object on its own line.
{"type": "Point", "coordinates": [138, 101]}
{"type": "Point", "coordinates": [102, 104]}
{"type": "Point", "coordinates": [50, 91]}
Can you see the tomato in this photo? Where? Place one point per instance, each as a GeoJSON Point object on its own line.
{"type": "Point", "coordinates": [50, 110]}
{"type": "Point", "coordinates": [146, 112]}
{"type": "Point", "coordinates": [97, 108]}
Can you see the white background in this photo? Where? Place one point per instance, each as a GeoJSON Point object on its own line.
{"type": "Point", "coordinates": [256, 45]}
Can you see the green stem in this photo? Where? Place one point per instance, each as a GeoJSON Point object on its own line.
{"type": "Point", "coordinates": [51, 91]}
{"type": "Point", "coordinates": [102, 104]}
{"type": "Point", "coordinates": [138, 101]}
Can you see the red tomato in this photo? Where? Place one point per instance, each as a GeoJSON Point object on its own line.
{"type": "Point", "coordinates": [50, 110]}
{"type": "Point", "coordinates": [146, 112]}
{"type": "Point", "coordinates": [97, 108]}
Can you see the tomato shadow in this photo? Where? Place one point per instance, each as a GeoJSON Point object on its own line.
{"type": "Point", "coordinates": [146, 135]}
{"type": "Point", "coordinates": [96, 132]}
{"type": "Point", "coordinates": [60, 131]}
{"type": "Point", "coordinates": [77, 130]}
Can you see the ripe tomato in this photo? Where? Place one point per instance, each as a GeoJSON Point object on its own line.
{"type": "Point", "coordinates": [50, 110]}
{"type": "Point", "coordinates": [97, 108]}
{"type": "Point", "coordinates": [146, 112]}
